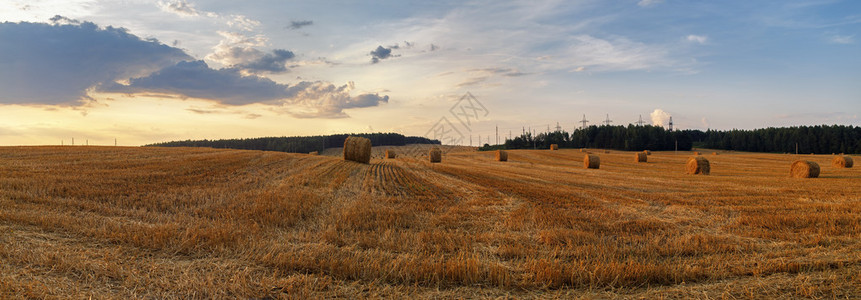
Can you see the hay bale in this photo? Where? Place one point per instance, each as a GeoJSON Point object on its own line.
{"type": "Point", "coordinates": [591, 161]}
{"type": "Point", "coordinates": [606, 151]}
{"type": "Point", "coordinates": [314, 153]}
{"type": "Point", "coordinates": [714, 153]}
{"type": "Point", "coordinates": [804, 169]}
{"type": "Point", "coordinates": [697, 153]}
{"type": "Point", "coordinates": [582, 150]}
{"type": "Point", "coordinates": [641, 157]}
{"type": "Point", "coordinates": [357, 149]}
{"type": "Point", "coordinates": [435, 155]}
{"type": "Point", "coordinates": [554, 147]}
{"type": "Point", "coordinates": [842, 162]}
{"type": "Point", "coordinates": [390, 153]}
{"type": "Point", "coordinates": [647, 152]}
{"type": "Point", "coordinates": [501, 155]}
{"type": "Point", "coordinates": [698, 165]}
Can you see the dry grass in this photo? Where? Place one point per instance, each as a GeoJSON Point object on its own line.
{"type": "Point", "coordinates": [169, 223]}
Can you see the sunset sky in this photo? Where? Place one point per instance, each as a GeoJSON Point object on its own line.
{"type": "Point", "coordinates": [151, 71]}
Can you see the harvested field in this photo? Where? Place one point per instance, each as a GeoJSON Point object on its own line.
{"type": "Point", "coordinates": [116, 222]}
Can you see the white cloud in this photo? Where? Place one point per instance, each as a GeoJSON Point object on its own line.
{"type": "Point", "coordinates": [699, 39]}
{"type": "Point", "coordinates": [660, 117]}
{"type": "Point", "coordinates": [178, 7]}
{"type": "Point", "coordinates": [646, 3]}
{"type": "Point", "coordinates": [243, 23]}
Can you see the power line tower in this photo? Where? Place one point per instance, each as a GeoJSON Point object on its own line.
{"type": "Point", "coordinates": [584, 121]}
{"type": "Point", "coordinates": [608, 121]}
{"type": "Point", "coordinates": [558, 128]}
{"type": "Point", "coordinates": [640, 122]}
{"type": "Point", "coordinates": [671, 123]}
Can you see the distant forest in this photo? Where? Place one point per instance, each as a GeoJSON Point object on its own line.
{"type": "Point", "coordinates": [821, 139]}
{"type": "Point", "coordinates": [300, 144]}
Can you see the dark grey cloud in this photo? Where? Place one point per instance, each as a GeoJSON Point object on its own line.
{"type": "Point", "coordinates": [197, 80]}
{"type": "Point", "coordinates": [380, 54]}
{"type": "Point", "coordinates": [275, 62]}
{"type": "Point", "coordinates": [299, 24]}
{"type": "Point", "coordinates": [60, 63]}
{"type": "Point", "coordinates": [56, 64]}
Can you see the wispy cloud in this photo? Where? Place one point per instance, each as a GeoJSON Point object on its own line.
{"type": "Point", "coordinates": [237, 50]}
{"type": "Point", "coordinates": [842, 39]}
{"type": "Point", "coordinates": [647, 3]}
{"type": "Point", "coordinates": [699, 39]}
{"type": "Point", "coordinates": [299, 24]}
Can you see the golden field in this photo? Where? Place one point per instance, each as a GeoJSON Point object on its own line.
{"type": "Point", "coordinates": [164, 223]}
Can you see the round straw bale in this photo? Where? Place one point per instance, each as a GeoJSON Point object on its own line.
{"type": "Point", "coordinates": [842, 162]}
{"type": "Point", "coordinates": [804, 169]}
{"type": "Point", "coordinates": [314, 153]}
{"type": "Point", "coordinates": [390, 153]}
{"type": "Point", "coordinates": [641, 157]}
{"type": "Point", "coordinates": [591, 161]}
{"type": "Point", "coordinates": [697, 153]}
{"type": "Point", "coordinates": [501, 155]}
{"type": "Point", "coordinates": [714, 153]}
{"type": "Point", "coordinates": [698, 165]}
{"type": "Point", "coordinates": [606, 151]}
{"type": "Point", "coordinates": [554, 147]}
{"type": "Point", "coordinates": [583, 150]}
{"type": "Point", "coordinates": [435, 154]}
{"type": "Point", "coordinates": [647, 152]}
{"type": "Point", "coordinates": [357, 149]}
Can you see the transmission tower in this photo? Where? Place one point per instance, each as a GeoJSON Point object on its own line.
{"type": "Point", "coordinates": [608, 121]}
{"type": "Point", "coordinates": [558, 128]}
{"type": "Point", "coordinates": [584, 121]}
{"type": "Point", "coordinates": [671, 123]}
{"type": "Point", "coordinates": [640, 122]}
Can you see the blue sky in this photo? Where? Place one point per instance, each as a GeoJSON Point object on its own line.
{"type": "Point", "coordinates": [150, 71]}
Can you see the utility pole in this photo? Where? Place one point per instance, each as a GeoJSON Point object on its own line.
{"type": "Point", "coordinates": [584, 121]}
{"type": "Point", "coordinates": [497, 134]}
{"type": "Point", "coordinates": [87, 142]}
{"type": "Point", "coordinates": [61, 143]}
{"type": "Point", "coordinates": [470, 140]}
{"type": "Point", "coordinates": [548, 128]}
{"type": "Point", "coordinates": [509, 134]}
{"type": "Point", "coordinates": [73, 141]}
{"type": "Point", "coordinates": [608, 121]}
{"type": "Point", "coordinates": [115, 142]}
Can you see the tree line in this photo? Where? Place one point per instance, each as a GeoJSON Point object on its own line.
{"type": "Point", "coordinates": [820, 139]}
{"type": "Point", "coordinates": [630, 138]}
{"type": "Point", "coordinates": [299, 144]}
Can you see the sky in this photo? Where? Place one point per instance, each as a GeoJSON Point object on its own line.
{"type": "Point", "coordinates": [137, 72]}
